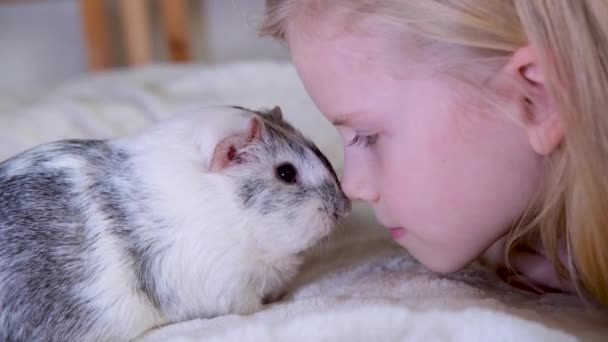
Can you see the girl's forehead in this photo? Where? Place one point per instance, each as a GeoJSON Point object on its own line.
{"type": "Point", "coordinates": [339, 29]}
{"type": "Point", "coordinates": [356, 80]}
{"type": "Point", "coordinates": [332, 51]}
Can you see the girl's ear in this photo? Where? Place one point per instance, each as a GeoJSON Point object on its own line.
{"type": "Point", "coordinates": [226, 151]}
{"type": "Point", "coordinates": [544, 126]}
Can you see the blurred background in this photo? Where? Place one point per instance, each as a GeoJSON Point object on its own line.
{"type": "Point", "coordinates": [97, 69]}
{"type": "Point", "coordinates": [46, 42]}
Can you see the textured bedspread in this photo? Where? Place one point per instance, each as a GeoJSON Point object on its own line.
{"type": "Point", "coordinates": [357, 286]}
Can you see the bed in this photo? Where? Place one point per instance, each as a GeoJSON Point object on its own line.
{"type": "Point", "coordinates": [359, 286]}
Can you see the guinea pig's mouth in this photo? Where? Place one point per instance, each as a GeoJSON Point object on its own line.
{"type": "Point", "coordinates": [343, 210]}
{"type": "Point", "coordinates": [337, 216]}
{"type": "Point", "coordinates": [336, 210]}
{"type": "Point", "coordinates": [333, 215]}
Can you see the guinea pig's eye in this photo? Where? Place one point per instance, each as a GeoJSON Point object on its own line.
{"type": "Point", "coordinates": [287, 173]}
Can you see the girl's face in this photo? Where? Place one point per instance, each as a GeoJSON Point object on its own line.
{"type": "Point", "coordinates": [444, 174]}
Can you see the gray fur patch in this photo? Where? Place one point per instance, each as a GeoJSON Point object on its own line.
{"type": "Point", "coordinates": [249, 191]}
{"type": "Point", "coordinates": [324, 160]}
{"type": "Point", "coordinates": [46, 248]}
{"type": "Point", "coordinates": [125, 208]}
{"type": "Point", "coordinates": [336, 204]}
{"type": "Point", "coordinates": [43, 258]}
{"type": "Point", "coordinates": [270, 196]}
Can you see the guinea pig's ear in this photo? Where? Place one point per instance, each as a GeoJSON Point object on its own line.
{"type": "Point", "coordinates": [226, 151]}
{"type": "Point", "coordinates": [276, 114]}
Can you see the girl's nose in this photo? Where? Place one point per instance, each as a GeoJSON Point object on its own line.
{"type": "Point", "coordinates": [357, 185]}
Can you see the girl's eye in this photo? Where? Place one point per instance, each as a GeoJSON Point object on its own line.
{"type": "Point", "coordinates": [364, 140]}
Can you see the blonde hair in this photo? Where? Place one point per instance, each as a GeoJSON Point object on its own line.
{"type": "Point", "coordinates": [571, 40]}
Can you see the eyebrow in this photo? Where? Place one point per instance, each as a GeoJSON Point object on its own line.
{"type": "Point", "coordinates": [341, 121]}
{"type": "Point", "coordinates": [344, 118]}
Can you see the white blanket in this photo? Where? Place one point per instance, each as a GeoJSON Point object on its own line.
{"type": "Point", "coordinates": [358, 286]}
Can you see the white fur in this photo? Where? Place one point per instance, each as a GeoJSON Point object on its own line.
{"type": "Point", "coordinates": [216, 264]}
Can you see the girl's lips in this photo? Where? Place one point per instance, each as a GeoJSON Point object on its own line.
{"type": "Point", "coordinates": [397, 232]}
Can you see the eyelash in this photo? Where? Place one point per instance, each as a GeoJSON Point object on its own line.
{"type": "Point", "coordinates": [364, 140]}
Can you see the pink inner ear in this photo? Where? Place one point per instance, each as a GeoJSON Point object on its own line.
{"type": "Point", "coordinates": [224, 154]}
{"type": "Point", "coordinates": [231, 152]}
{"type": "Point", "coordinates": [226, 150]}
{"type": "Point", "coordinates": [254, 129]}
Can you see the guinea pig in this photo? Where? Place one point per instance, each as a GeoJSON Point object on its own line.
{"type": "Point", "coordinates": [204, 214]}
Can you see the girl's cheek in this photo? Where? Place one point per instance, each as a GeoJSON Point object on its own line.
{"type": "Point", "coordinates": [377, 154]}
{"type": "Point", "coordinates": [386, 164]}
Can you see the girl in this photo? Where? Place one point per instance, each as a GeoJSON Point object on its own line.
{"type": "Point", "coordinates": [469, 124]}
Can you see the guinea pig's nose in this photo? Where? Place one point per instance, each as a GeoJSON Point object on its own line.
{"type": "Point", "coordinates": [343, 207]}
